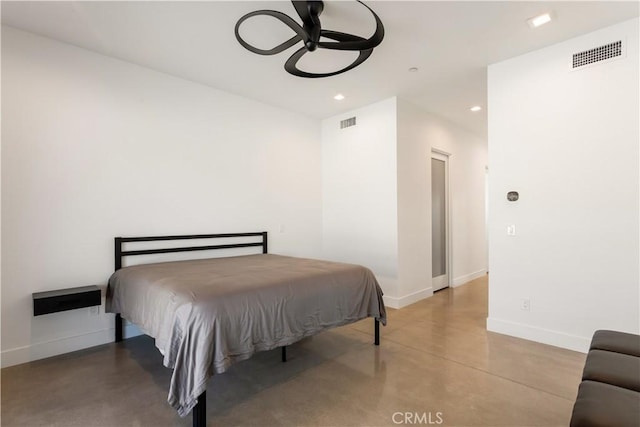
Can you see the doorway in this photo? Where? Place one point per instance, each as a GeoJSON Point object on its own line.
{"type": "Point", "coordinates": [440, 261]}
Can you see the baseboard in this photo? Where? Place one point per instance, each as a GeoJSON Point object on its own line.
{"type": "Point", "coordinates": [395, 302]}
{"type": "Point", "coordinates": [461, 280]}
{"type": "Point", "coordinates": [43, 350]}
{"type": "Point", "coordinates": [37, 351]}
{"type": "Point", "coordinates": [545, 336]}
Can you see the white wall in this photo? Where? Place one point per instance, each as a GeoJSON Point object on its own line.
{"type": "Point", "coordinates": [359, 190]}
{"type": "Point", "coordinates": [377, 196]}
{"type": "Point", "coordinates": [93, 148]}
{"type": "Point", "coordinates": [568, 142]}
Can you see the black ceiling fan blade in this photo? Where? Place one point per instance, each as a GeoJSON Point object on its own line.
{"type": "Point", "coordinates": [301, 35]}
{"type": "Point", "coordinates": [291, 66]}
{"type": "Point", "coordinates": [358, 43]}
{"type": "Point", "coordinates": [342, 37]}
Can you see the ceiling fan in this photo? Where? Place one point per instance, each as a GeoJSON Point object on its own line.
{"type": "Point", "coordinates": [310, 33]}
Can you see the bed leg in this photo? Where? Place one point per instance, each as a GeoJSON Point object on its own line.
{"type": "Point", "coordinates": [284, 353]}
{"type": "Point", "coordinates": [376, 330]}
{"type": "Point", "coordinates": [118, 327]}
{"type": "Point", "coordinates": [199, 412]}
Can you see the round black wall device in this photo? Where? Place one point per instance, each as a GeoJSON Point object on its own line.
{"type": "Point", "coordinates": [512, 196]}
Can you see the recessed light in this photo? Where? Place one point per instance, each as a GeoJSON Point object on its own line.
{"type": "Point", "coordinates": [539, 20]}
{"type": "Point", "coordinates": [339, 97]}
{"type": "Point", "coordinates": [413, 69]}
{"type": "Point", "coordinates": [475, 108]}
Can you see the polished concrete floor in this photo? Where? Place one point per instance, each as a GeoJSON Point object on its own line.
{"type": "Point", "coordinates": [437, 365]}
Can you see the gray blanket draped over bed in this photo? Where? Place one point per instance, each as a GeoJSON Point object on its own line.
{"type": "Point", "coordinates": [207, 314]}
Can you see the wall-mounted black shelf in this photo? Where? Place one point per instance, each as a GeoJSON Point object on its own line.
{"type": "Point", "coordinates": [65, 299]}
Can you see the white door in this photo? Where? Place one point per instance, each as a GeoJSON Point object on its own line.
{"type": "Point", "coordinates": [439, 221]}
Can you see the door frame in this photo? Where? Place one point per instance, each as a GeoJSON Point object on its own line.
{"type": "Point", "coordinates": [446, 157]}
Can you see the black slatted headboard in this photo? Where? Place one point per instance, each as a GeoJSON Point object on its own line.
{"type": "Point", "coordinates": [120, 241]}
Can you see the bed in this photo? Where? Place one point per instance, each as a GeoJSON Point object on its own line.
{"type": "Point", "coordinates": [206, 314]}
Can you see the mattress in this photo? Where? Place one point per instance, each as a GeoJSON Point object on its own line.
{"type": "Point", "coordinates": [207, 314]}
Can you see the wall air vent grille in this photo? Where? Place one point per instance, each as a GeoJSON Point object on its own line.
{"type": "Point", "coordinates": [598, 54]}
{"type": "Point", "coordinates": [346, 123]}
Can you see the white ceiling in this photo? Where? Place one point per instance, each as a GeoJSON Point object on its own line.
{"type": "Point", "coordinates": [451, 43]}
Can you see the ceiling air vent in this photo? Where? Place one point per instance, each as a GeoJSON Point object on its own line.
{"type": "Point", "coordinates": [346, 123]}
{"type": "Point", "coordinates": [598, 54]}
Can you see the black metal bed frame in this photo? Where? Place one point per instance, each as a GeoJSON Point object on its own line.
{"type": "Point", "coordinates": [199, 412]}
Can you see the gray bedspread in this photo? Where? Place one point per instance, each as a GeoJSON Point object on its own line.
{"type": "Point", "coordinates": [207, 314]}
